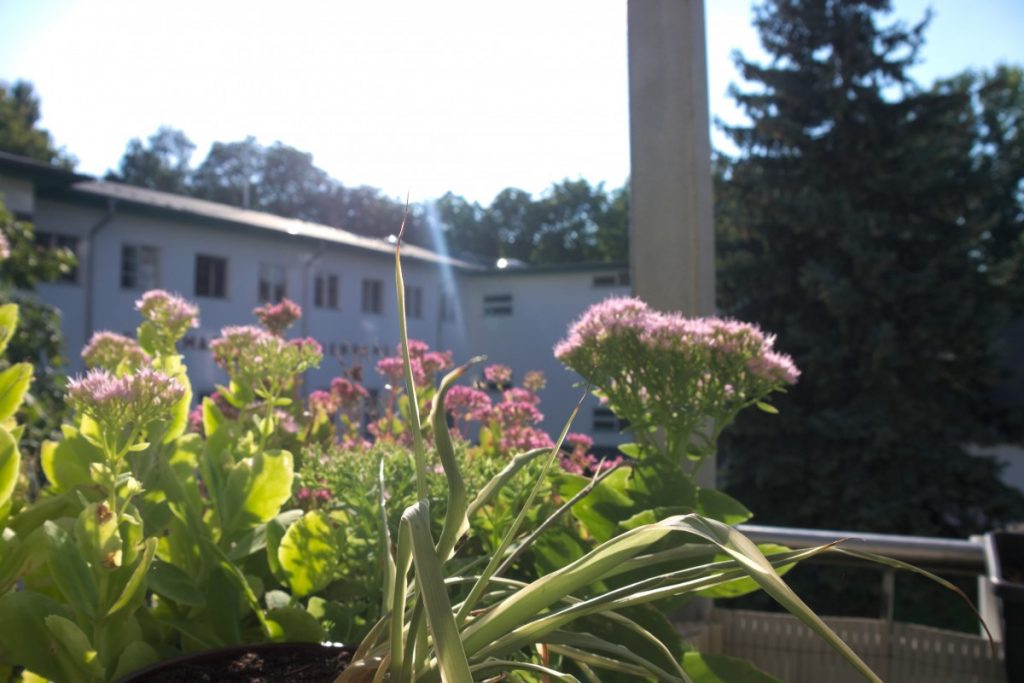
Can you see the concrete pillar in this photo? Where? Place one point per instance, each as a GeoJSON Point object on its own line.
{"type": "Point", "coordinates": [672, 242]}
{"type": "Point", "coordinates": [672, 237]}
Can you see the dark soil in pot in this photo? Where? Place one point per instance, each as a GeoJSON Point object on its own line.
{"type": "Point", "coordinates": [269, 663]}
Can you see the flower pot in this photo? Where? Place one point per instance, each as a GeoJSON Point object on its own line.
{"type": "Point", "coordinates": [269, 663]}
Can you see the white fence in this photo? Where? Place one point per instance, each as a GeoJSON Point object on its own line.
{"type": "Point", "coordinates": [899, 653]}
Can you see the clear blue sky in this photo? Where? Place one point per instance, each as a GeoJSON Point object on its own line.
{"type": "Point", "coordinates": [410, 96]}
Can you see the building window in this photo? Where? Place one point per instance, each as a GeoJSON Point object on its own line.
{"type": "Point", "coordinates": [497, 304]}
{"type": "Point", "coordinates": [620, 279]}
{"type": "Point", "coordinates": [52, 240]}
{"type": "Point", "coordinates": [140, 267]}
{"type": "Point", "coordinates": [373, 296]}
{"type": "Point", "coordinates": [447, 307]}
{"type": "Point", "coordinates": [413, 301]}
{"type": "Point", "coordinates": [273, 283]}
{"type": "Point", "coordinates": [607, 421]}
{"type": "Point", "coordinates": [325, 291]}
{"type": "Point", "coordinates": [211, 276]}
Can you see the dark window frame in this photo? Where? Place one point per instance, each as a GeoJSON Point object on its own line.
{"type": "Point", "coordinates": [498, 305]}
{"type": "Point", "coordinates": [133, 254]}
{"type": "Point", "coordinates": [211, 276]}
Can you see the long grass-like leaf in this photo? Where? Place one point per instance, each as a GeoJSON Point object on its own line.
{"type": "Point", "coordinates": [451, 658]}
{"type": "Point", "coordinates": [384, 541]}
{"type": "Point", "coordinates": [499, 480]}
{"type": "Point", "coordinates": [554, 517]}
{"type": "Point", "coordinates": [604, 662]}
{"type": "Point", "coordinates": [503, 665]}
{"type": "Point", "coordinates": [403, 560]}
{"type": "Point", "coordinates": [897, 564]}
{"type": "Point", "coordinates": [506, 541]}
{"type": "Point", "coordinates": [455, 521]}
{"type": "Point", "coordinates": [670, 584]}
{"type": "Point", "coordinates": [410, 384]}
{"type": "Point", "coordinates": [590, 643]}
{"type": "Point", "coordinates": [744, 551]}
{"type": "Point", "coordinates": [549, 589]}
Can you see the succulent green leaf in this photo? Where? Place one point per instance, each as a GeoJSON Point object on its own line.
{"type": "Point", "coordinates": [23, 630]}
{"type": "Point", "coordinates": [705, 668]}
{"type": "Point", "coordinates": [607, 503]}
{"type": "Point", "coordinates": [134, 591]}
{"type": "Point", "coordinates": [98, 537]}
{"type": "Point", "coordinates": [255, 539]}
{"type": "Point", "coordinates": [723, 507]}
{"type": "Point", "coordinates": [8, 324]}
{"type": "Point", "coordinates": [256, 489]}
{"type": "Point", "coordinates": [308, 553]}
{"type": "Point", "coordinates": [170, 582]}
{"type": "Point", "coordinates": [14, 383]}
{"type": "Point", "coordinates": [10, 465]}
{"type": "Point", "coordinates": [76, 644]}
{"type": "Point", "coordinates": [297, 625]}
{"type": "Point", "coordinates": [70, 571]}
{"type": "Point", "coordinates": [137, 655]}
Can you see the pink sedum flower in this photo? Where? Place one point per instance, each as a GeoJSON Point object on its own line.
{"type": "Point", "coordinates": [323, 402]}
{"type": "Point", "coordinates": [517, 395]}
{"type": "Point", "coordinates": [5, 247]}
{"type": "Point", "coordinates": [107, 350]}
{"type": "Point", "coordinates": [170, 314]}
{"type": "Point", "coordinates": [534, 381]}
{"type": "Point", "coordinates": [666, 370]}
{"type": "Point", "coordinates": [235, 343]}
{"type": "Point", "coordinates": [116, 402]}
{"type": "Point", "coordinates": [467, 403]}
{"type": "Point", "coordinates": [349, 394]}
{"type": "Point", "coordinates": [278, 317]}
{"type": "Point", "coordinates": [393, 370]}
{"type": "Point", "coordinates": [498, 375]}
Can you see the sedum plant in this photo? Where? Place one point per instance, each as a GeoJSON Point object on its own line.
{"type": "Point", "coordinates": [149, 541]}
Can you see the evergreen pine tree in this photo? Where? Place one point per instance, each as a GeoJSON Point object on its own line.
{"type": "Point", "coordinates": [852, 224]}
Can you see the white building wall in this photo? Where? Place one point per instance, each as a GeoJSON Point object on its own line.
{"type": "Point", "coordinates": [544, 304]}
{"type": "Point", "coordinates": [349, 335]}
{"type": "Point", "coordinates": [17, 194]}
{"type": "Point", "coordinates": [68, 297]}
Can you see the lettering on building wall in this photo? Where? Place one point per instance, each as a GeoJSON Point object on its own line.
{"type": "Point", "coordinates": [334, 349]}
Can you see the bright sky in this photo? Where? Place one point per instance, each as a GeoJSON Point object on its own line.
{"type": "Point", "coordinates": [419, 97]}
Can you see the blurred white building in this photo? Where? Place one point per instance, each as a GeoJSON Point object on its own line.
{"type": "Point", "coordinates": [230, 260]}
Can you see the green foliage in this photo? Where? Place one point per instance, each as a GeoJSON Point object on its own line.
{"type": "Point", "coordinates": [162, 164]}
{"type": "Point", "coordinates": [874, 227]}
{"type": "Point", "coordinates": [19, 126]}
{"type": "Point", "coordinates": [38, 340]}
{"type": "Point", "coordinates": [572, 221]}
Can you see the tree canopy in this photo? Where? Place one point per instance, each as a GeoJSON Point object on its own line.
{"type": "Point", "coordinates": [20, 133]}
{"type": "Point", "coordinates": [875, 227]}
{"type": "Point", "coordinates": [572, 221]}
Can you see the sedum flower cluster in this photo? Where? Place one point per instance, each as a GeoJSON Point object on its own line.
{"type": "Point", "coordinates": [254, 357]}
{"type": "Point", "coordinates": [663, 370]}
{"type": "Point", "coordinates": [170, 315]}
{"type": "Point", "coordinates": [426, 365]}
{"type": "Point", "coordinates": [278, 317]}
{"type": "Point", "coordinates": [132, 400]}
{"type": "Point", "coordinates": [111, 351]}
